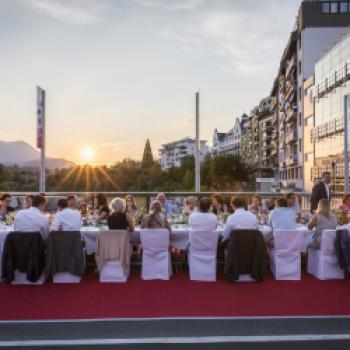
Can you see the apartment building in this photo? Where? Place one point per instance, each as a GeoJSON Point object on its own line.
{"type": "Point", "coordinates": [318, 25]}
{"type": "Point", "coordinates": [228, 143]}
{"type": "Point", "coordinates": [267, 154]}
{"type": "Point", "coordinates": [332, 84]}
{"type": "Point", "coordinates": [250, 139]}
{"type": "Point", "coordinates": [308, 142]}
{"type": "Point", "coordinates": [172, 154]}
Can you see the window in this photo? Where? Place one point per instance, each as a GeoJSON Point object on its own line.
{"type": "Point", "coordinates": [306, 157]}
{"type": "Point", "coordinates": [334, 7]}
{"type": "Point", "coordinates": [343, 7]}
{"type": "Point", "coordinates": [306, 122]}
{"type": "Point", "coordinates": [300, 118]}
{"type": "Point", "coordinates": [325, 7]}
{"type": "Point", "coordinates": [299, 145]}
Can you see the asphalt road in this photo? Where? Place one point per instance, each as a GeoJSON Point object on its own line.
{"type": "Point", "coordinates": [235, 333]}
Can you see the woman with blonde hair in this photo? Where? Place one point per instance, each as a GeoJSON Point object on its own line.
{"type": "Point", "coordinates": [119, 219]}
{"type": "Point", "coordinates": [323, 220]}
{"type": "Point", "coordinates": [155, 218]}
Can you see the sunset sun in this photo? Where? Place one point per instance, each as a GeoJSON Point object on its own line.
{"type": "Point", "coordinates": [87, 154]}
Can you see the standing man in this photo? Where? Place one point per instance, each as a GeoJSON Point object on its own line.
{"type": "Point", "coordinates": [321, 190]}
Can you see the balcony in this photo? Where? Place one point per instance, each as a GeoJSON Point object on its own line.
{"type": "Point", "coordinates": [292, 160]}
{"type": "Point", "coordinates": [274, 151]}
{"type": "Point", "coordinates": [291, 90]}
{"type": "Point", "coordinates": [292, 136]}
{"type": "Point", "coordinates": [291, 114]}
{"type": "Point", "coordinates": [274, 135]}
{"type": "Point", "coordinates": [266, 137]}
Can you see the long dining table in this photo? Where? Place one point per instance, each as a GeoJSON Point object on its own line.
{"type": "Point", "coordinates": [179, 236]}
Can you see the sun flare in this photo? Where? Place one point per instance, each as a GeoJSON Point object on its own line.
{"type": "Point", "coordinates": [87, 154]}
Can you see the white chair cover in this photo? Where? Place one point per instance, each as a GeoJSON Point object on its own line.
{"type": "Point", "coordinates": [156, 262]}
{"type": "Point", "coordinates": [65, 277]}
{"type": "Point", "coordinates": [323, 263]}
{"type": "Point", "coordinates": [285, 258]}
{"type": "Point", "coordinates": [202, 255]}
{"type": "Point", "coordinates": [113, 270]}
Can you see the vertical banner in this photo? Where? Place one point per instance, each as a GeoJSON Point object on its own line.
{"type": "Point", "coordinates": [40, 117]}
{"type": "Point", "coordinates": [40, 134]}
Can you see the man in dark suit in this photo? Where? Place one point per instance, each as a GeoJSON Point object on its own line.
{"type": "Point", "coordinates": [321, 190]}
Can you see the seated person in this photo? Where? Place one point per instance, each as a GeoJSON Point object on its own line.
{"type": "Point", "coordinates": [218, 204]}
{"type": "Point", "coordinates": [292, 202]}
{"type": "Point", "coordinates": [155, 218]}
{"type": "Point", "coordinates": [119, 219]}
{"type": "Point", "coordinates": [241, 218]}
{"type": "Point", "coordinates": [345, 208]}
{"type": "Point", "coordinates": [283, 218]}
{"type": "Point", "coordinates": [102, 206]}
{"type": "Point", "coordinates": [203, 220]}
{"type": "Point", "coordinates": [190, 205]}
{"type": "Point", "coordinates": [28, 200]}
{"type": "Point", "coordinates": [83, 208]}
{"type": "Point", "coordinates": [130, 205]}
{"type": "Point", "coordinates": [33, 218]}
{"type": "Point", "coordinates": [323, 220]}
{"type": "Point", "coordinates": [5, 208]}
{"type": "Point", "coordinates": [72, 201]}
{"type": "Point", "coordinates": [66, 218]}
{"type": "Point", "coordinates": [255, 206]}
{"type": "Point", "coordinates": [165, 204]}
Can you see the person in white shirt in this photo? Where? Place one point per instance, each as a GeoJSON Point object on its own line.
{"type": "Point", "coordinates": [66, 219]}
{"type": "Point", "coordinates": [33, 219]}
{"type": "Point", "coordinates": [292, 202]}
{"type": "Point", "coordinates": [240, 219]}
{"type": "Point", "coordinates": [283, 218]}
{"type": "Point", "coordinates": [202, 220]}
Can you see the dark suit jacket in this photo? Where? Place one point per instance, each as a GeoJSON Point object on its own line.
{"type": "Point", "coordinates": [246, 254]}
{"type": "Point", "coordinates": [24, 251]}
{"type": "Point", "coordinates": [319, 192]}
{"type": "Point", "coordinates": [64, 253]}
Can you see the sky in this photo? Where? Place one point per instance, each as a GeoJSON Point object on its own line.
{"type": "Point", "coordinates": [117, 72]}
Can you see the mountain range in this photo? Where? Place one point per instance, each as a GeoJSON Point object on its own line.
{"type": "Point", "coordinates": [23, 154]}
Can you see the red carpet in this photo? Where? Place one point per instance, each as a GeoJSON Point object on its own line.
{"type": "Point", "coordinates": [175, 298]}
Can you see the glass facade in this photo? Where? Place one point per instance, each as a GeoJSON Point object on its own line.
{"type": "Point", "coordinates": [332, 83]}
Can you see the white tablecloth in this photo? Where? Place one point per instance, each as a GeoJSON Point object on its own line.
{"type": "Point", "coordinates": [178, 237]}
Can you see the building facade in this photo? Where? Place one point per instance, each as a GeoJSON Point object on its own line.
{"type": "Point", "coordinates": [267, 155]}
{"type": "Point", "coordinates": [172, 154]}
{"type": "Point", "coordinates": [250, 139]}
{"type": "Point", "coordinates": [309, 124]}
{"type": "Point", "coordinates": [318, 25]}
{"type": "Point", "coordinates": [332, 84]}
{"type": "Point", "coordinates": [228, 143]}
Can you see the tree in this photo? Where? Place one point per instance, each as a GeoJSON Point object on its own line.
{"type": "Point", "coordinates": [147, 159]}
{"type": "Point", "coordinates": [188, 180]}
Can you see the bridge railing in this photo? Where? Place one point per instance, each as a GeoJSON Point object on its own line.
{"type": "Point", "coordinates": [143, 199]}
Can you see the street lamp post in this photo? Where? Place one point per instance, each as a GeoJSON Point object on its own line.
{"type": "Point", "coordinates": [346, 151]}
{"type": "Point", "coordinates": [197, 156]}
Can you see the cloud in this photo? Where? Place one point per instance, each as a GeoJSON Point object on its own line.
{"type": "Point", "coordinates": [79, 12]}
{"type": "Point", "coordinates": [170, 5]}
{"type": "Point", "coordinates": [242, 40]}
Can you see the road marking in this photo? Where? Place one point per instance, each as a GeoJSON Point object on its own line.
{"type": "Point", "coordinates": [178, 340]}
{"type": "Point", "coordinates": [153, 319]}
